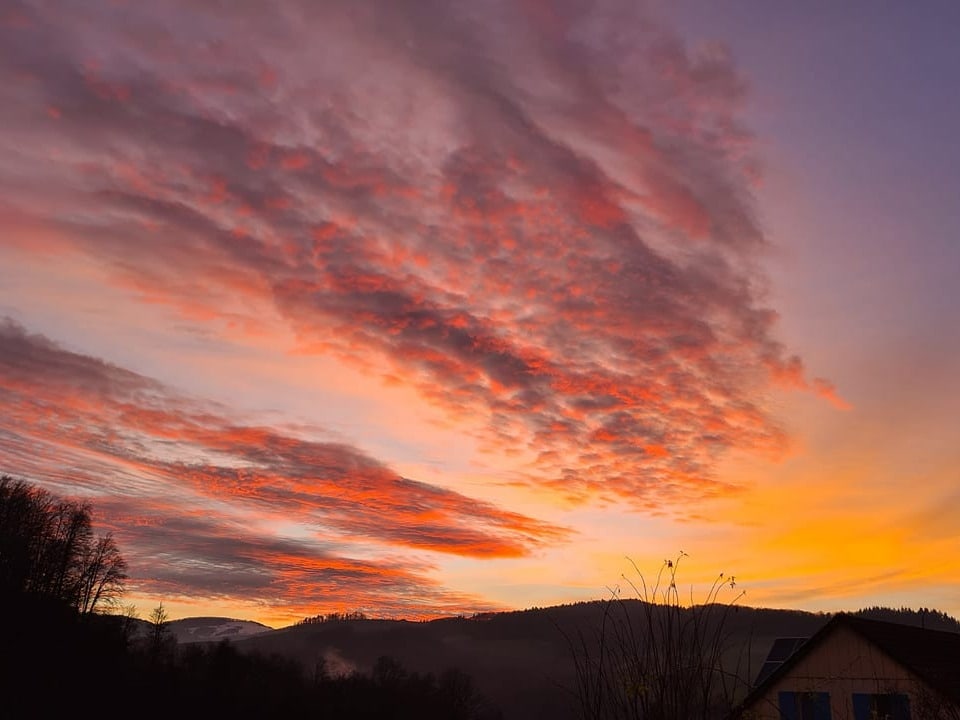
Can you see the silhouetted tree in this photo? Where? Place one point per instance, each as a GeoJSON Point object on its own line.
{"type": "Point", "coordinates": [159, 629]}
{"type": "Point", "coordinates": [457, 695]}
{"type": "Point", "coordinates": [103, 572]}
{"type": "Point", "coordinates": [48, 550]}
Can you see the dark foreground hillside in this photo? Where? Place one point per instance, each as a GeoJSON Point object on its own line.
{"type": "Point", "coordinates": [521, 661]}
{"type": "Point", "coordinates": [56, 662]}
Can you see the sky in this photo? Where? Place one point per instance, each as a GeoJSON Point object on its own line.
{"type": "Point", "coordinates": [427, 308]}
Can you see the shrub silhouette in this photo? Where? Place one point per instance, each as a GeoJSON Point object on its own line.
{"type": "Point", "coordinates": [652, 658]}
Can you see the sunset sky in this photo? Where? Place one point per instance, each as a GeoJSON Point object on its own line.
{"type": "Point", "coordinates": [430, 307]}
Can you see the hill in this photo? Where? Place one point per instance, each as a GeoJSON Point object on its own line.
{"type": "Point", "coordinates": [521, 661]}
{"type": "Point", "coordinates": [202, 629]}
{"type": "Point", "coordinates": [214, 629]}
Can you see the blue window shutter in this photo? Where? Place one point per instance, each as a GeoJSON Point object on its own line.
{"type": "Point", "coordinates": [861, 706]}
{"type": "Point", "coordinates": [821, 708]}
{"type": "Point", "coordinates": [895, 706]}
{"type": "Point", "coordinates": [789, 707]}
{"type": "Point", "coordinates": [901, 707]}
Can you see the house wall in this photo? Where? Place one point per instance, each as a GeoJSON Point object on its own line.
{"type": "Point", "coordinates": [842, 664]}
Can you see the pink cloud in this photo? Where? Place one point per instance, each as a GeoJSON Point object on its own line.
{"type": "Point", "coordinates": [541, 218]}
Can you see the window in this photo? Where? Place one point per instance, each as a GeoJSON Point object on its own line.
{"type": "Point", "coordinates": [881, 706]}
{"type": "Point", "coordinates": [804, 706]}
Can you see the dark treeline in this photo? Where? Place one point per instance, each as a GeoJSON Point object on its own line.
{"type": "Point", "coordinates": [59, 657]}
{"type": "Point", "coordinates": [923, 617]}
{"type": "Point", "coordinates": [332, 617]}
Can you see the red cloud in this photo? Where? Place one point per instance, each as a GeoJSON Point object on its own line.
{"type": "Point", "coordinates": [132, 442]}
{"type": "Point", "coordinates": [553, 238]}
{"type": "Point", "coordinates": [179, 554]}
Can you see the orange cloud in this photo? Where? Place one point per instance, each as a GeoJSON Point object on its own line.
{"type": "Point", "coordinates": [134, 445]}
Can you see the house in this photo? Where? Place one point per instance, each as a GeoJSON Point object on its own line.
{"type": "Point", "coordinates": [858, 669]}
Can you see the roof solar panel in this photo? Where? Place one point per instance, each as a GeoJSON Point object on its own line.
{"type": "Point", "coordinates": [782, 649]}
{"type": "Point", "coordinates": [765, 671]}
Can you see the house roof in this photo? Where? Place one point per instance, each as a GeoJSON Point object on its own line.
{"type": "Point", "coordinates": [932, 655]}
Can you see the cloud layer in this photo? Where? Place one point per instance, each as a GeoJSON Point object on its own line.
{"type": "Point", "coordinates": [201, 500]}
{"type": "Point", "coordinates": [537, 214]}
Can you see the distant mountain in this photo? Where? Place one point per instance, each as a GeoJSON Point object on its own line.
{"type": "Point", "coordinates": [204, 629]}
{"type": "Point", "coordinates": [214, 629]}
